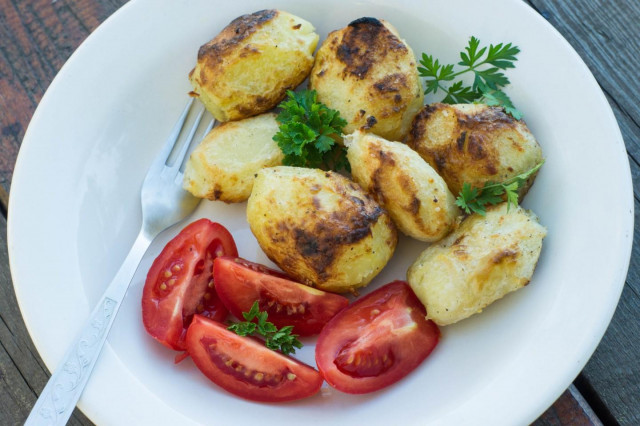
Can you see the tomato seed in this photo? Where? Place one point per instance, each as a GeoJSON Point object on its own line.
{"type": "Point", "coordinates": [172, 281]}
{"type": "Point", "coordinates": [167, 273]}
{"type": "Point", "coordinates": [163, 286]}
{"type": "Point", "coordinates": [176, 268]}
{"type": "Point", "coordinates": [291, 376]}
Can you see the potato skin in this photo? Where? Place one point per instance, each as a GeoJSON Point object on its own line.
{"type": "Point", "coordinates": [415, 196]}
{"type": "Point", "coordinates": [223, 166]}
{"type": "Point", "coordinates": [480, 262]}
{"type": "Point", "coordinates": [320, 227]}
{"type": "Point", "coordinates": [369, 74]}
{"type": "Point", "coordinates": [474, 143]}
{"type": "Point", "coordinates": [247, 68]}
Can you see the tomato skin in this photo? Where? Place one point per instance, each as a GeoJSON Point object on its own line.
{"type": "Point", "coordinates": [239, 283]}
{"type": "Point", "coordinates": [376, 341]}
{"type": "Point", "coordinates": [179, 282]}
{"type": "Point", "coordinates": [247, 368]}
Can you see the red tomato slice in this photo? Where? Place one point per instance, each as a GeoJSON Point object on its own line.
{"type": "Point", "coordinates": [239, 283]}
{"type": "Point", "coordinates": [247, 368]}
{"type": "Point", "coordinates": [179, 283]}
{"type": "Point", "coordinates": [376, 341]}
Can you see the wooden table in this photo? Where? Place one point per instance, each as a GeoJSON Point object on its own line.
{"type": "Point", "coordinates": [37, 37]}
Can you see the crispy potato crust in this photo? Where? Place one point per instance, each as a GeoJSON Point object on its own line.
{"type": "Point", "coordinates": [415, 196]}
{"type": "Point", "coordinates": [477, 264]}
{"type": "Point", "coordinates": [223, 166]}
{"type": "Point", "coordinates": [369, 74]}
{"type": "Point", "coordinates": [474, 143]}
{"type": "Point", "coordinates": [320, 227]}
{"type": "Point", "coordinates": [247, 68]}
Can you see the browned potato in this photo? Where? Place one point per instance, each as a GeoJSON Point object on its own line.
{"type": "Point", "coordinates": [415, 196]}
{"type": "Point", "coordinates": [480, 262]}
{"type": "Point", "coordinates": [369, 74]}
{"type": "Point", "coordinates": [247, 68]}
{"type": "Point", "coordinates": [223, 166]}
{"type": "Point", "coordinates": [319, 227]}
{"type": "Point", "coordinates": [474, 143]}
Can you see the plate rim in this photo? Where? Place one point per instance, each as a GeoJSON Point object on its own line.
{"type": "Point", "coordinates": [626, 242]}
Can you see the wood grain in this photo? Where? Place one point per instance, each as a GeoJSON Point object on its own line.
{"type": "Point", "coordinates": [601, 32]}
{"type": "Point", "coordinates": [38, 36]}
{"type": "Point", "coordinates": [22, 372]}
{"type": "Point", "coordinates": [570, 409]}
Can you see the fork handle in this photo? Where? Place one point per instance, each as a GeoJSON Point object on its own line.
{"type": "Point", "coordinates": [59, 397]}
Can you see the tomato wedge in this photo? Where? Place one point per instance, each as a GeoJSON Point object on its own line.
{"type": "Point", "coordinates": [247, 368]}
{"type": "Point", "coordinates": [376, 341]}
{"type": "Point", "coordinates": [239, 283]}
{"type": "Point", "coordinates": [179, 283]}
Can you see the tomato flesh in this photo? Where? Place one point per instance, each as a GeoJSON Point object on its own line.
{"type": "Point", "coordinates": [376, 341]}
{"type": "Point", "coordinates": [239, 283]}
{"type": "Point", "coordinates": [245, 367]}
{"type": "Point", "coordinates": [180, 282]}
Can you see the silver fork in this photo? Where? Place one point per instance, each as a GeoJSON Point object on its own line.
{"type": "Point", "coordinates": [164, 203]}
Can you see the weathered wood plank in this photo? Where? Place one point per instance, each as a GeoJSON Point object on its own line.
{"type": "Point", "coordinates": [570, 409]}
{"type": "Point", "coordinates": [22, 372]}
{"type": "Point", "coordinates": [45, 33]}
{"type": "Point", "coordinates": [603, 33]}
{"type": "Point", "coordinates": [611, 379]}
{"type": "Point", "coordinates": [38, 36]}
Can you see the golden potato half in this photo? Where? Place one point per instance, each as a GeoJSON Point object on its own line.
{"type": "Point", "coordinates": [320, 228]}
{"type": "Point", "coordinates": [480, 262]}
{"type": "Point", "coordinates": [247, 68]}
{"type": "Point", "coordinates": [223, 166]}
{"type": "Point", "coordinates": [369, 74]}
{"type": "Point", "coordinates": [474, 143]}
{"type": "Point", "coordinates": [415, 196]}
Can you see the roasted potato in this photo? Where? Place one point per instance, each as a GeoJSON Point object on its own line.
{"type": "Point", "coordinates": [320, 227]}
{"type": "Point", "coordinates": [480, 262]}
{"type": "Point", "coordinates": [247, 68]}
{"type": "Point", "coordinates": [369, 74]}
{"type": "Point", "coordinates": [474, 143]}
{"type": "Point", "coordinates": [223, 166]}
{"type": "Point", "coordinates": [415, 196]}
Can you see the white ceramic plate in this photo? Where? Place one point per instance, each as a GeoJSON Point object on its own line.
{"type": "Point", "coordinates": [74, 213]}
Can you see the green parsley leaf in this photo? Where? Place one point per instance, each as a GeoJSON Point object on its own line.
{"type": "Point", "coordinates": [473, 55]}
{"type": "Point", "coordinates": [499, 98]}
{"type": "Point", "coordinates": [459, 94]}
{"type": "Point", "coordinates": [282, 340]}
{"type": "Point", "coordinates": [309, 131]}
{"type": "Point", "coordinates": [474, 200]}
{"type": "Point", "coordinates": [243, 328]}
{"type": "Point", "coordinates": [486, 65]}
{"type": "Point", "coordinates": [502, 56]}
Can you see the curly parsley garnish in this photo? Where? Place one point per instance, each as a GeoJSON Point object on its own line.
{"type": "Point", "coordinates": [475, 199]}
{"type": "Point", "coordinates": [309, 131]}
{"type": "Point", "coordinates": [275, 339]}
{"type": "Point", "coordinates": [485, 64]}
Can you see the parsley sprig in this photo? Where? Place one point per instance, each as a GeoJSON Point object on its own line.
{"type": "Point", "coordinates": [282, 340]}
{"type": "Point", "coordinates": [308, 132]}
{"type": "Point", "coordinates": [486, 64]}
{"type": "Point", "coordinates": [475, 199]}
